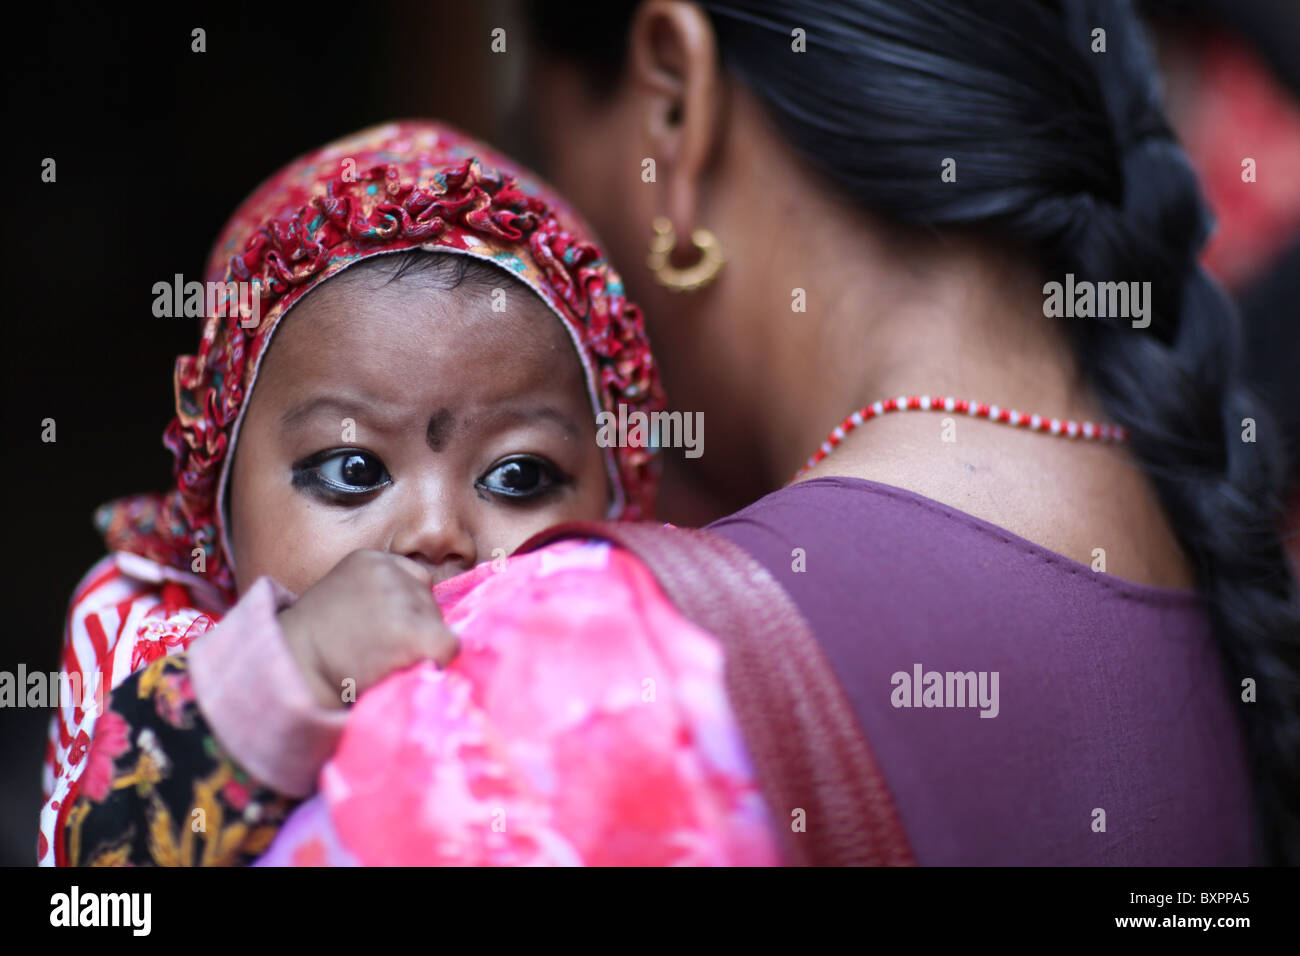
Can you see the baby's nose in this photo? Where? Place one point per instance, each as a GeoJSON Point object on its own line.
{"type": "Point", "coordinates": [432, 533]}
{"type": "Point", "coordinates": [441, 571]}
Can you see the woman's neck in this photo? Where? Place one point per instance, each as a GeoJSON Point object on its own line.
{"type": "Point", "coordinates": [965, 322]}
{"type": "Point", "coordinates": [945, 319]}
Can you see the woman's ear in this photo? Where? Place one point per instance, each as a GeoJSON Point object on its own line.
{"type": "Point", "coordinates": [672, 53]}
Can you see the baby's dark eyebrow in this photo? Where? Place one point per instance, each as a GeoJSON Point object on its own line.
{"type": "Point", "coordinates": [342, 407]}
{"type": "Point", "coordinates": [495, 417]}
{"type": "Point", "coordinates": [499, 417]}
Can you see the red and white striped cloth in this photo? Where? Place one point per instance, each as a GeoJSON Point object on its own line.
{"type": "Point", "coordinates": [125, 613]}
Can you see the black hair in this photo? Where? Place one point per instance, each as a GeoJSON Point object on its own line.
{"type": "Point", "coordinates": [445, 271]}
{"type": "Point", "coordinates": [1064, 150]}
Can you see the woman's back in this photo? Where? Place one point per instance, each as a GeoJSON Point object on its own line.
{"type": "Point", "coordinates": [1076, 718]}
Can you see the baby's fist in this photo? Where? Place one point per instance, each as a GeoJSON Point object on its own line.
{"type": "Point", "coordinates": [372, 614]}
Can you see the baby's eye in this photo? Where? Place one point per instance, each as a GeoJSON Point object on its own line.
{"type": "Point", "coordinates": [522, 477]}
{"type": "Point", "coordinates": [341, 473]}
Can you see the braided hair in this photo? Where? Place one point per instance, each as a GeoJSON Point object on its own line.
{"type": "Point", "coordinates": [1052, 111]}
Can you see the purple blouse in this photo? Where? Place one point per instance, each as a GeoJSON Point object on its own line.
{"type": "Point", "coordinates": [1024, 708]}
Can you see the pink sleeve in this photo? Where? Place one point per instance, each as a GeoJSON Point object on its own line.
{"type": "Point", "coordinates": [585, 722]}
{"type": "Point", "coordinates": [254, 698]}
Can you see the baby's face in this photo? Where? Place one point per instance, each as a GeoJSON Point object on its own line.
{"type": "Point", "coordinates": [407, 418]}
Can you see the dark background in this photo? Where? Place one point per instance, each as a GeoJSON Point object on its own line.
{"type": "Point", "coordinates": [155, 146]}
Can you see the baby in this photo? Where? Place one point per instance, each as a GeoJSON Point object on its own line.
{"type": "Point", "coordinates": [470, 431]}
{"type": "Point", "coordinates": [415, 395]}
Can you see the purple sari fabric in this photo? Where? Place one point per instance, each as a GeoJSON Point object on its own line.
{"type": "Point", "coordinates": [1112, 708]}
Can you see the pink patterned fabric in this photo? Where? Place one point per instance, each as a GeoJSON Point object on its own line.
{"type": "Point", "coordinates": [544, 743]}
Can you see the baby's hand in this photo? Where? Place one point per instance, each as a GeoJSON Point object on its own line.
{"type": "Point", "coordinates": [373, 614]}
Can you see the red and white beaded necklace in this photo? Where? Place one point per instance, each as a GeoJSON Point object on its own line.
{"type": "Point", "coordinates": [1052, 426]}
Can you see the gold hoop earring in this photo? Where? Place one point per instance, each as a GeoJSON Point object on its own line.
{"type": "Point", "coordinates": [692, 277]}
